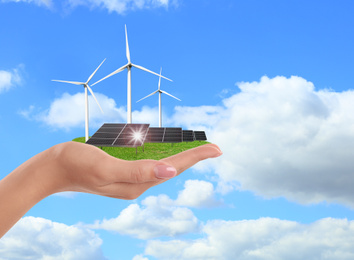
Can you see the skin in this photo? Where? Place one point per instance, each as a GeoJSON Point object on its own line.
{"type": "Point", "coordinates": [80, 167]}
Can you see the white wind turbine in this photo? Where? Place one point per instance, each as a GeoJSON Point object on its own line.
{"type": "Point", "coordinates": [128, 66]}
{"type": "Point", "coordinates": [159, 91]}
{"type": "Point", "coordinates": [86, 86]}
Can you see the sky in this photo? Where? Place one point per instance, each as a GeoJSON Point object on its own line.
{"type": "Point", "coordinates": [271, 83]}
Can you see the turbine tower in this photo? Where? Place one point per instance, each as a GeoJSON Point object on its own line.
{"type": "Point", "coordinates": [86, 86]}
{"type": "Point", "coordinates": [159, 91]}
{"type": "Point", "coordinates": [128, 66]}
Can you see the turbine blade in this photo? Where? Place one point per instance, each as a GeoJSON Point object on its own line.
{"type": "Point", "coordinates": [94, 97]}
{"type": "Point", "coordinates": [148, 96]}
{"type": "Point", "coordinates": [94, 72]}
{"type": "Point", "coordinates": [160, 78]}
{"type": "Point", "coordinates": [113, 73]}
{"type": "Point", "coordinates": [127, 53]}
{"type": "Point", "coordinates": [142, 68]}
{"type": "Point", "coordinates": [70, 82]}
{"type": "Point", "coordinates": [170, 95]}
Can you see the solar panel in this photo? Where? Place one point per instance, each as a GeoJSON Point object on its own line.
{"type": "Point", "coordinates": [132, 135]}
{"type": "Point", "coordinates": [164, 135]}
{"type": "Point", "coordinates": [187, 136]}
{"type": "Point", "coordinates": [121, 135]}
{"type": "Point", "coordinates": [155, 135]}
{"type": "Point", "coordinates": [172, 135]}
{"type": "Point", "coordinates": [199, 136]}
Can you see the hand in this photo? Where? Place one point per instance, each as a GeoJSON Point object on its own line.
{"type": "Point", "coordinates": [85, 168]}
{"type": "Point", "coordinates": [80, 167]}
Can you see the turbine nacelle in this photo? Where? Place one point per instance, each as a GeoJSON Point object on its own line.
{"type": "Point", "coordinates": [128, 66]}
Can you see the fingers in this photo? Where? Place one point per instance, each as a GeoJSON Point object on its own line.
{"type": "Point", "coordinates": [187, 159]}
{"type": "Point", "coordinates": [152, 171]}
{"type": "Point", "coordinates": [142, 175]}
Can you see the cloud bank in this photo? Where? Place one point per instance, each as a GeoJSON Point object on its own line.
{"type": "Point", "coordinates": [282, 138]}
{"type": "Point", "coordinates": [157, 217]}
{"type": "Point", "coordinates": [264, 238]}
{"type": "Point", "coordinates": [160, 216]}
{"type": "Point", "coordinates": [39, 239]}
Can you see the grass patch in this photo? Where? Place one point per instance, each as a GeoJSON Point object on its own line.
{"type": "Point", "coordinates": [155, 151]}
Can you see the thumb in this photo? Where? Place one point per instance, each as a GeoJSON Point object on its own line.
{"type": "Point", "coordinates": [187, 159]}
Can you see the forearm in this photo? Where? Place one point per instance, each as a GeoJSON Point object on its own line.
{"type": "Point", "coordinates": [23, 188]}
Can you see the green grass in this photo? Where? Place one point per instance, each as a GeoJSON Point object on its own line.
{"type": "Point", "coordinates": [154, 151]}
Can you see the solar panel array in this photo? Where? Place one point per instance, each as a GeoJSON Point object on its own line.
{"type": "Point", "coordinates": [134, 135]}
{"type": "Point", "coordinates": [199, 136]}
{"type": "Point", "coordinates": [120, 135]}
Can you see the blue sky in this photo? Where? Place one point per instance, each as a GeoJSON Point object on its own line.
{"type": "Point", "coordinates": [269, 81]}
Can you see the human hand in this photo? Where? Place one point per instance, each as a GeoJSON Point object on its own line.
{"type": "Point", "coordinates": [85, 168]}
{"type": "Point", "coordinates": [80, 167]}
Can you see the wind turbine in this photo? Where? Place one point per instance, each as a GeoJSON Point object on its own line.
{"type": "Point", "coordinates": [159, 91]}
{"type": "Point", "coordinates": [86, 86]}
{"type": "Point", "coordinates": [128, 66]}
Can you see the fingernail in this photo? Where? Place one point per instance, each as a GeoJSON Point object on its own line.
{"type": "Point", "coordinates": [217, 153]}
{"type": "Point", "coordinates": [220, 153]}
{"type": "Point", "coordinates": [165, 171]}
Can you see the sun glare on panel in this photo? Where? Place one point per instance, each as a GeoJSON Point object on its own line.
{"type": "Point", "coordinates": [137, 136]}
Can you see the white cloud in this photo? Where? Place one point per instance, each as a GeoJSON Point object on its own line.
{"type": "Point", "coordinates": [10, 78]}
{"type": "Point", "coordinates": [122, 6]}
{"type": "Point", "coordinates": [140, 257]}
{"type": "Point", "coordinates": [146, 115]}
{"type": "Point", "coordinates": [197, 194]}
{"type": "Point", "coordinates": [161, 216]}
{"type": "Point", "coordinates": [155, 218]}
{"type": "Point", "coordinates": [117, 6]}
{"type": "Point", "coordinates": [281, 137]}
{"type": "Point", "coordinates": [265, 238]}
{"type": "Point", "coordinates": [68, 111]}
{"type": "Point", "coordinates": [46, 3]}
{"type": "Point", "coordinates": [41, 239]}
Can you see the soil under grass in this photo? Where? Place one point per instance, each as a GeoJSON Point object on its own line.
{"type": "Point", "coordinates": [155, 151]}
